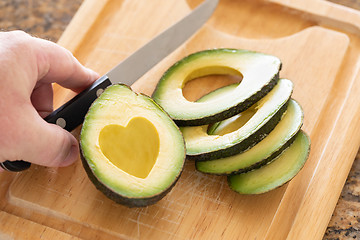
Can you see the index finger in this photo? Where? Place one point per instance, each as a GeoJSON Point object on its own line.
{"type": "Point", "coordinates": [57, 64]}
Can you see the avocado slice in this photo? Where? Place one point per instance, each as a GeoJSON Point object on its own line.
{"type": "Point", "coordinates": [259, 74]}
{"type": "Point", "coordinates": [263, 152]}
{"type": "Point", "coordinates": [260, 120]}
{"type": "Point", "coordinates": [276, 173]}
{"type": "Point", "coordinates": [131, 149]}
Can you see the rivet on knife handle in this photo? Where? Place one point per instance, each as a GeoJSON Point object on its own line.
{"type": "Point", "coordinates": [72, 113]}
{"type": "Point", "coordinates": [68, 116]}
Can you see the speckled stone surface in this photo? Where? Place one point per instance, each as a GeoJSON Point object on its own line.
{"type": "Point", "coordinates": [49, 18]}
{"type": "Point", "coordinates": [348, 3]}
{"type": "Point", "coordinates": [345, 222]}
{"type": "Point", "coordinates": [42, 18]}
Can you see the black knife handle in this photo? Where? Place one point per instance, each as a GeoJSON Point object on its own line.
{"type": "Point", "coordinates": [15, 166]}
{"type": "Point", "coordinates": [69, 116]}
{"type": "Point", "coordinates": [72, 113]}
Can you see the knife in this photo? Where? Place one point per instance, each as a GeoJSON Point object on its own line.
{"type": "Point", "coordinates": [72, 113]}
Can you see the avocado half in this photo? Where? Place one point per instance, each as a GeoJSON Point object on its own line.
{"type": "Point", "coordinates": [131, 149]}
{"type": "Point", "coordinates": [259, 74]}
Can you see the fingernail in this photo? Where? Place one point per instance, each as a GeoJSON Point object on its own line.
{"type": "Point", "coordinates": [72, 155]}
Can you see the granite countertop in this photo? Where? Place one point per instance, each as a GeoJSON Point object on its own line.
{"type": "Point", "coordinates": [48, 19]}
{"type": "Point", "coordinates": [42, 18]}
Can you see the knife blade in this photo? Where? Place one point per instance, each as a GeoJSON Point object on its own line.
{"type": "Point", "coordinates": [72, 113]}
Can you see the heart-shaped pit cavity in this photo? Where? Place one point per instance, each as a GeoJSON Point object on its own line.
{"type": "Point", "coordinates": [134, 148]}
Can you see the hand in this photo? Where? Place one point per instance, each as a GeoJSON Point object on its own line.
{"type": "Point", "coordinates": [28, 67]}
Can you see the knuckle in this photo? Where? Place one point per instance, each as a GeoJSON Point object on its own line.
{"type": "Point", "coordinates": [19, 33]}
{"type": "Point", "coordinates": [17, 37]}
{"type": "Point", "coordinates": [16, 43]}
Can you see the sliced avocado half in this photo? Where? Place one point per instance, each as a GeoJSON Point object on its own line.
{"type": "Point", "coordinates": [131, 149]}
{"type": "Point", "coordinates": [276, 173]}
{"type": "Point", "coordinates": [265, 151]}
{"type": "Point", "coordinates": [242, 131]}
{"type": "Point", "coordinates": [259, 75]}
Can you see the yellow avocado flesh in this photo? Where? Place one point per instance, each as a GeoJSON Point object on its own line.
{"type": "Point", "coordinates": [234, 123]}
{"type": "Point", "coordinates": [130, 145]}
{"type": "Point", "coordinates": [199, 141]}
{"type": "Point", "coordinates": [134, 148]}
{"type": "Point", "coordinates": [244, 64]}
{"type": "Point", "coordinates": [289, 125]}
{"type": "Point", "coordinates": [276, 173]}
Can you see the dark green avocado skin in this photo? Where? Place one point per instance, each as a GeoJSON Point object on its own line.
{"type": "Point", "coordinates": [233, 110]}
{"type": "Point", "coordinates": [255, 138]}
{"type": "Point", "coordinates": [261, 163]}
{"type": "Point", "coordinates": [230, 112]}
{"type": "Point", "coordinates": [129, 202]}
{"type": "Point", "coordinates": [287, 145]}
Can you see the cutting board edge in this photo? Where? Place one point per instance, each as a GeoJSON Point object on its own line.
{"type": "Point", "coordinates": [319, 11]}
{"type": "Point", "coordinates": [350, 127]}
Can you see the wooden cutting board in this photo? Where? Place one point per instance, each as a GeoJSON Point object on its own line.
{"type": "Point", "coordinates": [319, 45]}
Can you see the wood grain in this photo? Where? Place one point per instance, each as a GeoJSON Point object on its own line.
{"type": "Point", "coordinates": [27, 229]}
{"type": "Point", "coordinates": [320, 57]}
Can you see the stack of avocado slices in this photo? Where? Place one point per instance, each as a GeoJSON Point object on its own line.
{"type": "Point", "coordinates": [249, 131]}
{"type": "Point", "coordinates": [133, 147]}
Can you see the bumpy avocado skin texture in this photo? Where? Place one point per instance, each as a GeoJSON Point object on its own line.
{"type": "Point", "coordinates": [282, 92]}
{"type": "Point", "coordinates": [236, 184]}
{"type": "Point", "coordinates": [246, 144]}
{"type": "Point", "coordinates": [266, 160]}
{"type": "Point", "coordinates": [233, 109]}
{"type": "Point", "coordinates": [271, 154]}
{"type": "Point", "coordinates": [89, 166]}
{"type": "Point", "coordinates": [129, 202]}
{"type": "Point", "coordinates": [258, 164]}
